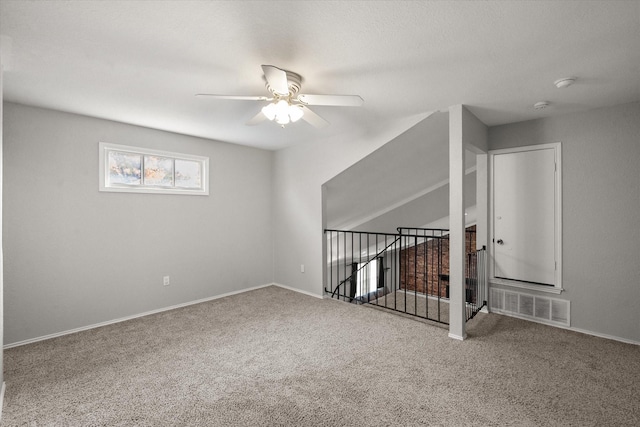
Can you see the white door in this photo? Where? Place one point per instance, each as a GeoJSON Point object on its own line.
{"type": "Point", "coordinates": [524, 216]}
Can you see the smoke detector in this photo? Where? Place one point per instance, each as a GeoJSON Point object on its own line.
{"type": "Point", "coordinates": [541, 105]}
{"type": "Point", "coordinates": [564, 82]}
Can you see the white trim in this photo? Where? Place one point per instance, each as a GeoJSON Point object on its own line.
{"type": "Point", "coordinates": [134, 316]}
{"type": "Point", "coordinates": [568, 328]}
{"type": "Point", "coordinates": [160, 310]}
{"type": "Point", "coordinates": [2, 398]}
{"type": "Point", "coordinates": [557, 286]}
{"type": "Point", "coordinates": [524, 285]}
{"type": "Point", "coordinates": [103, 167]}
{"type": "Point", "coordinates": [289, 288]}
{"type": "Point", "coordinates": [173, 307]}
{"type": "Point", "coordinates": [600, 335]}
{"type": "Point", "coordinates": [457, 337]}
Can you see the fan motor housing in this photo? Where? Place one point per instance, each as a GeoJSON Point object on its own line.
{"type": "Point", "coordinates": [294, 80]}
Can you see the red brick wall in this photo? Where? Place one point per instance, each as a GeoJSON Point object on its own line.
{"type": "Point", "coordinates": [419, 271]}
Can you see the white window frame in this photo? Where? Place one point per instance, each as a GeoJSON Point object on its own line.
{"type": "Point", "coordinates": [105, 184]}
{"type": "Point", "coordinates": [557, 286]}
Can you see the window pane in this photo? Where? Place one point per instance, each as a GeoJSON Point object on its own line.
{"type": "Point", "coordinates": [158, 171]}
{"type": "Point", "coordinates": [367, 278]}
{"type": "Point", "coordinates": [140, 170]}
{"type": "Point", "coordinates": [124, 168]}
{"type": "Point", "coordinates": [188, 174]}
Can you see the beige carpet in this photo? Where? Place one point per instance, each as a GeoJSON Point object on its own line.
{"type": "Point", "coordinates": [273, 357]}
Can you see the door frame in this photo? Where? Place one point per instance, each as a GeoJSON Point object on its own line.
{"type": "Point", "coordinates": [557, 286]}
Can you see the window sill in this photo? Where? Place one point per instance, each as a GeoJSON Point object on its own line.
{"type": "Point", "coordinates": [522, 285]}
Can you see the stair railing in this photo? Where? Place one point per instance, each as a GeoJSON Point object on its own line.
{"type": "Point", "coordinates": [362, 265]}
{"type": "Point", "coordinates": [417, 283]}
{"type": "Point", "coordinates": [476, 283]}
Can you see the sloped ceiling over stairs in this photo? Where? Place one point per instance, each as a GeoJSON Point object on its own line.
{"type": "Point", "coordinates": [403, 183]}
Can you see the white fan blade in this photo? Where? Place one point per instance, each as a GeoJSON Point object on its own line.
{"type": "Point", "coordinates": [277, 79]}
{"type": "Point", "coordinates": [257, 119]}
{"type": "Point", "coordinates": [239, 98]}
{"type": "Point", "coordinates": [334, 100]}
{"type": "Point", "coordinates": [312, 118]}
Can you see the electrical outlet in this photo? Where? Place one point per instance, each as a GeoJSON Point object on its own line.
{"type": "Point", "coordinates": [165, 280]}
{"type": "Point", "coordinates": [301, 268]}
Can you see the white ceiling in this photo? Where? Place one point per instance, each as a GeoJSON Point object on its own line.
{"type": "Point", "coordinates": [142, 62]}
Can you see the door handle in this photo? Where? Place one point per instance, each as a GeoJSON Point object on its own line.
{"type": "Point", "coordinates": [500, 242]}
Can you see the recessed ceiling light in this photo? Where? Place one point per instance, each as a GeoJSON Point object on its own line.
{"type": "Point", "coordinates": [564, 82]}
{"type": "Point", "coordinates": [541, 105]}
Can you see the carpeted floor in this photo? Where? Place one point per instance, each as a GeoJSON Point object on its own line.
{"type": "Point", "coordinates": [273, 357]}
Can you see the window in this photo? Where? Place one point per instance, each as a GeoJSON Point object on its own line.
{"type": "Point", "coordinates": [367, 278]}
{"type": "Point", "coordinates": [141, 170]}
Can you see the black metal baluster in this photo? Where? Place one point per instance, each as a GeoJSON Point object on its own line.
{"type": "Point", "coordinates": [367, 283]}
{"type": "Point", "coordinates": [406, 268]}
{"type": "Point", "coordinates": [331, 260]}
{"type": "Point", "coordinates": [344, 285]}
{"type": "Point", "coordinates": [425, 244]}
{"type": "Point", "coordinates": [425, 272]}
{"type": "Point", "coordinates": [415, 273]}
{"type": "Point", "coordinates": [439, 275]}
{"type": "Point", "coordinates": [359, 275]}
{"type": "Point", "coordinates": [397, 276]}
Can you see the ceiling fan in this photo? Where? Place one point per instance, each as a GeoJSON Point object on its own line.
{"type": "Point", "coordinates": [286, 104]}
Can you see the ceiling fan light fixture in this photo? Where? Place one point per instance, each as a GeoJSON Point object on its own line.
{"type": "Point", "coordinates": [295, 113]}
{"type": "Point", "coordinates": [282, 108]}
{"type": "Point", "coordinates": [269, 111]}
{"type": "Point", "coordinates": [286, 105]}
{"type": "Point", "coordinates": [282, 119]}
{"type": "Point", "coordinates": [282, 112]}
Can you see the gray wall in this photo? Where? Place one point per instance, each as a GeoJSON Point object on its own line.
{"type": "Point", "coordinates": [399, 170]}
{"type": "Point", "coordinates": [601, 211]}
{"type": "Point", "coordinates": [422, 211]}
{"type": "Point", "coordinates": [75, 256]}
{"type": "Point", "coordinates": [298, 175]}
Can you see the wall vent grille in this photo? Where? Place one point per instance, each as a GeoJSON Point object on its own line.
{"type": "Point", "coordinates": [542, 309]}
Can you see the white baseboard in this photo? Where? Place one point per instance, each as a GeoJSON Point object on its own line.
{"type": "Point", "coordinates": [311, 294]}
{"type": "Point", "coordinates": [456, 337]}
{"type": "Point", "coordinates": [569, 328]}
{"type": "Point", "coordinates": [173, 307]}
{"type": "Point", "coordinates": [135, 316]}
{"type": "Point", "coordinates": [606, 336]}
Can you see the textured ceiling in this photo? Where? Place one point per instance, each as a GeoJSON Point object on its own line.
{"type": "Point", "coordinates": [142, 62]}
